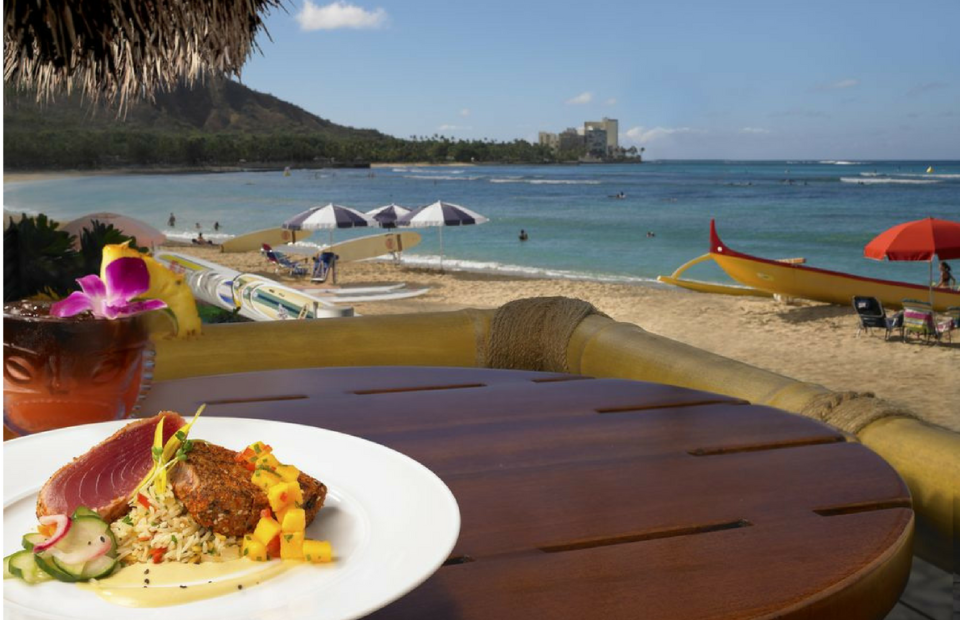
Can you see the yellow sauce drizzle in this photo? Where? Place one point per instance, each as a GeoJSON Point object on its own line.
{"type": "Point", "coordinates": [164, 581]}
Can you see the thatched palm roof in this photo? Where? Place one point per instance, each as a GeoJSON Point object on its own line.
{"type": "Point", "coordinates": [125, 49]}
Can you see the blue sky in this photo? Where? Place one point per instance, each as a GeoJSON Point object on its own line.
{"type": "Point", "coordinates": [739, 80]}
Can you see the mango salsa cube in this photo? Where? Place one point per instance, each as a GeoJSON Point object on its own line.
{"type": "Point", "coordinates": [264, 479]}
{"type": "Point", "coordinates": [253, 549]}
{"type": "Point", "coordinates": [288, 473]}
{"type": "Point", "coordinates": [291, 546]}
{"type": "Point", "coordinates": [266, 530]}
{"type": "Point", "coordinates": [266, 461]}
{"type": "Point", "coordinates": [259, 447]}
{"type": "Point", "coordinates": [284, 494]}
{"type": "Point", "coordinates": [317, 551]}
{"type": "Point", "coordinates": [294, 520]}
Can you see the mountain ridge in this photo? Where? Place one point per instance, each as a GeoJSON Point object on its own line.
{"type": "Point", "coordinates": [214, 106]}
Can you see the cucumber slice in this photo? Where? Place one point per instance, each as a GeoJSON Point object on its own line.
{"type": "Point", "coordinates": [74, 572]}
{"type": "Point", "coordinates": [99, 568]}
{"type": "Point", "coordinates": [83, 511]}
{"type": "Point", "coordinates": [6, 568]}
{"type": "Point", "coordinates": [84, 529]}
{"type": "Point", "coordinates": [31, 539]}
{"type": "Point", "coordinates": [23, 565]}
{"type": "Point", "coordinates": [46, 565]}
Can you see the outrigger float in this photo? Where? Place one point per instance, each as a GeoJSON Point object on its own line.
{"type": "Point", "coordinates": [790, 278]}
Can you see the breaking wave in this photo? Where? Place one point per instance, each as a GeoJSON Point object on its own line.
{"type": "Point", "coordinates": [887, 181]}
{"type": "Point", "coordinates": [432, 261]}
{"type": "Point", "coordinates": [544, 181]}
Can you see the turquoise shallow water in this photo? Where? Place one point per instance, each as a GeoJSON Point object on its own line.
{"type": "Point", "coordinates": [823, 211]}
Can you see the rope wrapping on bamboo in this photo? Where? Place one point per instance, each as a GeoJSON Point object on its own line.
{"type": "Point", "coordinates": [852, 411]}
{"type": "Point", "coordinates": [532, 334]}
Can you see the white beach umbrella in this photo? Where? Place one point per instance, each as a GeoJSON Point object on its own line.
{"type": "Point", "coordinates": [328, 217]}
{"type": "Point", "coordinates": [441, 214]}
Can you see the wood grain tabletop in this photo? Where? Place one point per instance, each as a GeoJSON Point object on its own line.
{"type": "Point", "coordinates": [606, 498]}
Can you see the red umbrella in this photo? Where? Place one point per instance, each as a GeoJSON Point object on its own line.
{"type": "Point", "coordinates": [920, 240]}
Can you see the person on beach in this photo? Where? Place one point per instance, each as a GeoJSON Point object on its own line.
{"type": "Point", "coordinates": [172, 221]}
{"type": "Point", "coordinates": [946, 276]}
{"type": "Point", "coordinates": [523, 235]}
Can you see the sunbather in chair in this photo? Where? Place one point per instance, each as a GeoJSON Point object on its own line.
{"type": "Point", "coordinates": [871, 314]}
{"type": "Point", "coordinates": [294, 268]}
{"type": "Point", "coordinates": [324, 265]}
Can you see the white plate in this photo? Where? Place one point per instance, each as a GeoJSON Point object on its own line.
{"type": "Point", "coordinates": [392, 523]}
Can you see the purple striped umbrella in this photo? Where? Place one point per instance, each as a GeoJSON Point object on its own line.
{"type": "Point", "coordinates": [328, 217]}
{"type": "Point", "coordinates": [388, 215]}
{"type": "Point", "coordinates": [441, 214]}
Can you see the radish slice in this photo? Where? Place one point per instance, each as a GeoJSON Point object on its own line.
{"type": "Point", "coordinates": [86, 553]}
{"type": "Point", "coordinates": [63, 526]}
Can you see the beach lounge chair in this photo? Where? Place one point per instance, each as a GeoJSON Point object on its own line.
{"type": "Point", "coordinates": [918, 321]}
{"type": "Point", "coordinates": [871, 315]}
{"type": "Point", "coordinates": [294, 268]}
{"type": "Point", "coordinates": [947, 324]}
{"type": "Point", "coordinates": [324, 264]}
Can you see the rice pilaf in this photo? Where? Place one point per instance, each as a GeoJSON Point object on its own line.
{"type": "Point", "coordinates": [167, 525]}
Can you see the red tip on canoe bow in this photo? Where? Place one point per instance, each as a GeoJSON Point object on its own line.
{"type": "Point", "coordinates": [716, 245]}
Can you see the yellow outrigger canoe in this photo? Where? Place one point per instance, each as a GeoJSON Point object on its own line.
{"type": "Point", "coordinates": [791, 279]}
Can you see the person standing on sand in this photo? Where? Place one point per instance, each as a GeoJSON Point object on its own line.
{"type": "Point", "coordinates": [172, 221]}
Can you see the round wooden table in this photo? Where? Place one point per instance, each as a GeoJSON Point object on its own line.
{"type": "Point", "coordinates": [603, 498]}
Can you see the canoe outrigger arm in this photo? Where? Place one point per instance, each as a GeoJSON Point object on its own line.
{"type": "Point", "coordinates": [708, 287]}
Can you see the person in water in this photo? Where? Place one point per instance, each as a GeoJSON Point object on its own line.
{"type": "Point", "coordinates": [172, 221]}
{"type": "Point", "coordinates": [216, 225]}
{"type": "Point", "coordinates": [523, 235]}
{"type": "Point", "coordinates": [946, 276]}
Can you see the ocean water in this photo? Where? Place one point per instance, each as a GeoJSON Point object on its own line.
{"type": "Point", "coordinates": [825, 211]}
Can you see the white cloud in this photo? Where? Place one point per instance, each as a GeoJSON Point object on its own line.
{"type": "Point", "coordinates": [643, 135]}
{"type": "Point", "coordinates": [612, 101]}
{"type": "Point", "coordinates": [581, 99]}
{"type": "Point", "coordinates": [339, 15]}
{"type": "Point", "coordinates": [453, 127]}
{"type": "Point", "coordinates": [838, 85]}
{"type": "Point", "coordinates": [754, 130]}
{"type": "Point", "coordinates": [465, 112]}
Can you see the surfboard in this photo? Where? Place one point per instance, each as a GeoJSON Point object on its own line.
{"type": "Point", "coordinates": [208, 281]}
{"type": "Point", "coordinates": [374, 245]}
{"type": "Point", "coordinates": [252, 241]}
{"type": "Point", "coordinates": [362, 297]}
{"type": "Point", "coordinates": [258, 298]}
{"type": "Point", "coordinates": [267, 300]}
{"type": "Point", "coordinates": [352, 290]}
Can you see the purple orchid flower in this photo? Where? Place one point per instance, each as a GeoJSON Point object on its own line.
{"type": "Point", "coordinates": [126, 278]}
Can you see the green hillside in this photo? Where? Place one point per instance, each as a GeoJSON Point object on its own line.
{"type": "Point", "coordinates": [218, 124]}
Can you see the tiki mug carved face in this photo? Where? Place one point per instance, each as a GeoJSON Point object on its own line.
{"type": "Point", "coordinates": [67, 371]}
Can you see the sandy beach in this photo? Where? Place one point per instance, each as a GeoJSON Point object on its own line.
{"type": "Point", "coordinates": [808, 341]}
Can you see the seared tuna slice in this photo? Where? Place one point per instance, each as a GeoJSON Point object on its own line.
{"type": "Point", "coordinates": [105, 476]}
